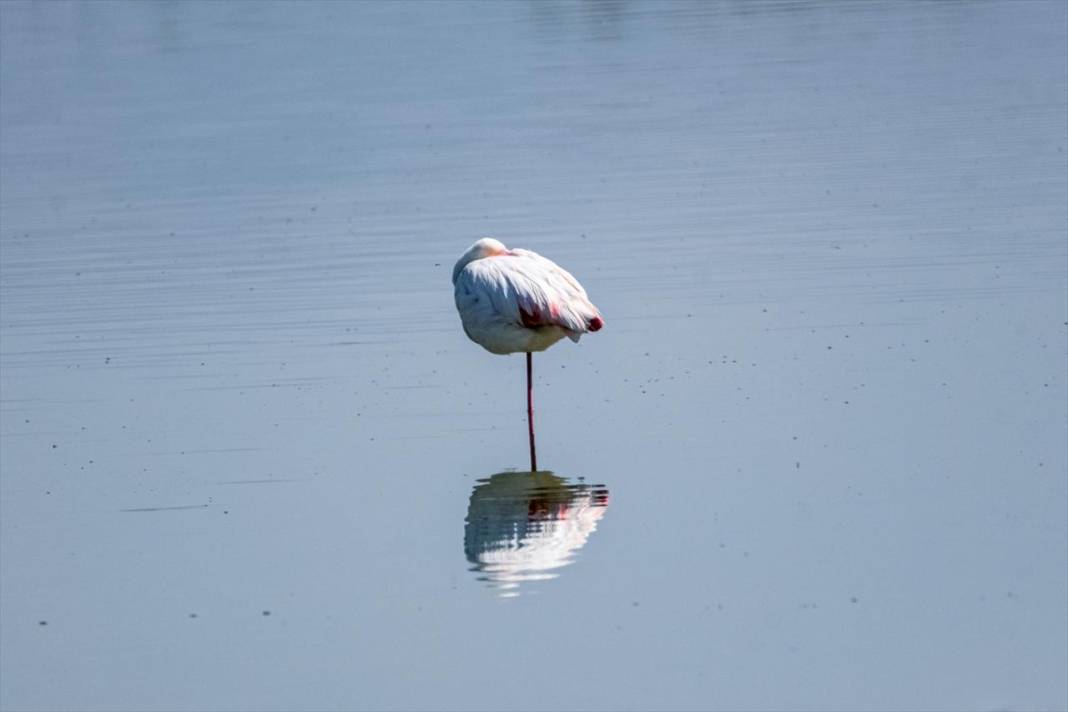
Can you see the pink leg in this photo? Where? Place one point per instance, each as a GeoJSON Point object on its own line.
{"type": "Point", "coordinates": [530, 411]}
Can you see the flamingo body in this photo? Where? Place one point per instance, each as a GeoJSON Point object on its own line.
{"type": "Point", "coordinates": [514, 301]}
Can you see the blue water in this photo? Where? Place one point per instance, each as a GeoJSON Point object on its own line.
{"type": "Point", "coordinates": [816, 459]}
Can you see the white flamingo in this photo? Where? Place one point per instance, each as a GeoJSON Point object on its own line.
{"type": "Point", "coordinates": [516, 301]}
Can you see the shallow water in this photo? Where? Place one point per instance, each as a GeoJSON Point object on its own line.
{"type": "Point", "coordinates": [815, 460]}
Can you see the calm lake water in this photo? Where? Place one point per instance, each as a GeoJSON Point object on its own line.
{"type": "Point", "coordinates": [816, 459]}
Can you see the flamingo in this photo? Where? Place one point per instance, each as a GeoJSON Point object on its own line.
{"type": "Point", "coordinates": [516, 301]}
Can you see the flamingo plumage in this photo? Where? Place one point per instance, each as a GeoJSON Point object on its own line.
{"type": "Point", "coordinates": [516, 301]}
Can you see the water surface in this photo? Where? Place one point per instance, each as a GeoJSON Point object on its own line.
{"type": "Point", "coordinates": [249, 459]}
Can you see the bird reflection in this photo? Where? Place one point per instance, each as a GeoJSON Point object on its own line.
{"type": "Point", "coordinates": [523, 526]}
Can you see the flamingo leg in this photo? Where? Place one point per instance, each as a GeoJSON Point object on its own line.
{"type": "Point", "coordinates": [530, 411]}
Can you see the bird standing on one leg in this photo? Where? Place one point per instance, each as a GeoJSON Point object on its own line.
{"type": "Point", "coordinates": [516, 301]}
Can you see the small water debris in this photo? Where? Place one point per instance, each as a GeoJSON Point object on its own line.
{"type": "Point", "coordinates": [165, 509]}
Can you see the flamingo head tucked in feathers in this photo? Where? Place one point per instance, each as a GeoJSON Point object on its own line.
{"type": "Point", "coordinates": [486, 247]}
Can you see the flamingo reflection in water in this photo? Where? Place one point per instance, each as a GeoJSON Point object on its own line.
{"type": "Point", "coordinates": [524, 526]}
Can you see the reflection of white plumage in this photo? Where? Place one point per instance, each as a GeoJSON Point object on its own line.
{"type": "Point", "coordinates": [522, 527]}
{"type": "Point", "coordinates": [516, 301]}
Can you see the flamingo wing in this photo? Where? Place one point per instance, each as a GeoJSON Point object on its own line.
{"type": "Point", "coordinates": [526, 289]}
